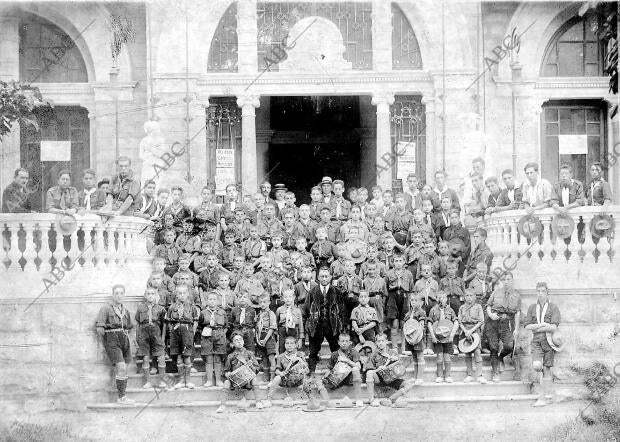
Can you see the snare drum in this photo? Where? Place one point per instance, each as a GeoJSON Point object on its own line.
{"type": "Point", "coordinates": [242, 376]}
{"type": "Point", "coordinates": [339, 373]}
{"type": "Point", "coordinates": [391, 372]}
{"type": "Point", "coordinates": [296, 374]}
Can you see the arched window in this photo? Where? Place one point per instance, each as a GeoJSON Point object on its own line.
{"type": "Point", "coordinates": [47, 54]}
{"type": "Point", "coordinates": [575, 50]}
{"type": "Point", "coordinates": [405, 47]}
{"type": "Point", "coordinates": [223, 54]}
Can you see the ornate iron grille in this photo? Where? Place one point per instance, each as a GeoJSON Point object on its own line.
{"type": "Point", "coordinates": [408, 125]}
{"type": "Point", "coordinates": [405, 47]}
{"type": "Point", "coordinates": [223, 122]}
{"type": "Point", "coordinates": [223, 54]}
{"type": "Point", "coordinates": [352, 18]}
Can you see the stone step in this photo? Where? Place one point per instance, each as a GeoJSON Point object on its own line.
{"type": "Point", "coordinates": [231, 404]}
{"type": "Point", "coordinates": [426, 390]}
{"type": "Point", "coordinates": [458, 374]}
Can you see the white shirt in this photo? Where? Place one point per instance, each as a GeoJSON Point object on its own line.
{"type": "Point", "coordinates": [87, 194]}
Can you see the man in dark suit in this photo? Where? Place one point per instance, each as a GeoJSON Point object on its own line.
{"type": "Point", "coordinates": [322, 316]}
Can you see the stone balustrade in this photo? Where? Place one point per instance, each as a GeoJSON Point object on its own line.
{"type": "Point", "coordinates": [581, 262]}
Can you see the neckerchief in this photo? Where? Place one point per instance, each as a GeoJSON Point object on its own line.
{"type": "Point", "coordinates": [242, 316]}
{"type": "Point", "coordinates": [290, 321]}
{"type": "Point", "coordinates": [212, 318]}
{"type": "Point", "coordinates": [120, 312]}
{"type": "Point", "coordinates": [540, 316]}
{"type": "Point", "coordinates": [87, 194]}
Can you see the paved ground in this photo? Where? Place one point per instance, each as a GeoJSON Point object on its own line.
{"type": "Point", "coordinates": [504, 421]}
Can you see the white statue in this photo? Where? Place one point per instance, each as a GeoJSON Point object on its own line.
{"type": "Point", "coordinates": [152, 147]}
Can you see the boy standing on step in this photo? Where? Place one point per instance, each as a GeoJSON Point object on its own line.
{"type": "Point", "coordinates": [212, 324]}
{"type": "Point", "coordinates": [442, 326]}
{"type": "Point", "coordinates": [182, 320]}
{"type": "Point", "coordinates": [150, 319]}
{"type": "Point", "coordinates": [471, 320]}
{"type": "Point", "coordinates": [113, 325]}
{"type": "Point", "coordinates": [266, 328]}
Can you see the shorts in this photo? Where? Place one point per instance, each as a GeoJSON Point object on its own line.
{"type": "Point", "coordinates": [117, 347]}
{"type": "Point", "coordinates": [454, 302]}
{"type": "Point", "coordinates": [215, 344]}
{"type": "Point", "coordinates": [395, 384]}
{"type": "Point", "coordinates": [541, 350]}
{"type": "Point", "coordinates": [150, 342]}
{"type": "Point", "coordinates": [181, 340]}
{"type": "Point", "coordinates": [397, 305]}
{"type": "Point", "coordinates": [377, 301]}
{"type": "Point", "coordinates": [268, 349]}
{"type": "Point", "coordinates": [419, 347]}
{"type": "Point", "coordinates": [444, 347]}
{"type": "Point", "coordinates": [248, 386]}
{"type": "Point", "coordinates": [369, 335]}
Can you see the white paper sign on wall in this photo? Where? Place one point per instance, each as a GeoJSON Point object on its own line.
{"type": "Point", "coordinates": [573, 144]}
{"type": "Point", "coordinates": [224, 158]}
{"type": "Point", "coordinates": [55, 150]}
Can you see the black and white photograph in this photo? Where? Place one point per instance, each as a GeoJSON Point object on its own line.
{"type": "Point", "coordinates": [316, 220]}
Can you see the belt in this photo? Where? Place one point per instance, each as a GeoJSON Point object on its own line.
{"type": "Point", "coordinates": [180, 322]}
{"type": "Point", "coordinates": [110, 330]}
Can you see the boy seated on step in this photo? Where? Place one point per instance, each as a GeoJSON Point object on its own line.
{"type": "Point", "coordinates": [381, 358]}
{"type": "Point", "coordinates": [182, 319]}
{"type": "Point", "coordinates": [266, 328]}
{"type": "Point", "coordinates": [212, 325]}
{"type": "Point", "coordinates": [150, 320]}
{"type": "Point", "coordinates": [442, 326]}
{"type": "Point", "coordinates": [471, 320]}
{"type": "Point", "coordinates": [364, 320]}
{"type": "Point", "coordinates": [285, 361]}
{"type": "Point", "coordinates": [346, 355]}
{"type": "Point", "coordinates": [240, 356]}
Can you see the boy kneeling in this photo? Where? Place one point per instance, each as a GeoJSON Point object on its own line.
{"type": "Point", "coordinates": [381, 360]}
{"type": "Point", "coordinates": [240, 357]}
{"type": "Point", "coordinates": [344, 368]}
{"type": "Point", "coordinates": [291, 371]}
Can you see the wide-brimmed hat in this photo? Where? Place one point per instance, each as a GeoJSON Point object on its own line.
{"type": "Point", "coordinates": [65, 224]}
{"type": "Point", "coordinates": [530, 226]}
{"type": "Point", "coordinates": [467, 345]}
{"type": "Point", "coordinates": [279, 187]}
{"type": "Point", "coordinates": [366, 347]}
{"type": "Point", "coordinates": [313, 405]}
{"type": "Point", "coordinates": [413, 331]}
{"type": "Point", "coordinates": [442, 328]}
{"type": "Point", "coordinates": [562, 225]}
{"type": "Point", "coordinates": [326, 180]}
{"type": "Point", "coordinates": [601, 225]}
{"type": "Point", "coordinates": [555, 340]}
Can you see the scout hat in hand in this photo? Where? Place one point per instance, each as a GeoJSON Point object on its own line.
{"type": "Point", "coordinates": [467, 345]}
{"type": "Point", "coordinates": [562, 225]}
{"type": "Point", "coordinates": [602, 225]}
{"type": "Point", "coordinates": [442, 328]}
{"type": "Point", "coordinates": [367, 347]}
{"type": "Point", "coordinates": [65, 224]}
{"type": "Point", "coordinates": [530, 227]}
{"type": "Point", "coordinates": [412, 329]}
{"type": "Point", "coordinates": [555, 340]}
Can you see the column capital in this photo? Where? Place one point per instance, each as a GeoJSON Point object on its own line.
{"type": "Point", "coordinates": [245, 100]}
{"type": "Point", "coordinates": [203, 100]}
{"type": "Point", "coordinates": [380, 98]}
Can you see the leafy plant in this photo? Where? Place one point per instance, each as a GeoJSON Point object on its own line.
{"type": "Point", "coordinates": [123, 32]}
{"type": "Point", "coordinates": [17, 103]}
{"type": "Point", "coordinates": [597, 378]}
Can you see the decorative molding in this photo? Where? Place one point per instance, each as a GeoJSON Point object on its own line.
{"type": "Point", "coordinates": [246, 100]}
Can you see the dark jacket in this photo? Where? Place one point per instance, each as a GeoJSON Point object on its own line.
{"type": "Point", "coordinates": [312, 309]}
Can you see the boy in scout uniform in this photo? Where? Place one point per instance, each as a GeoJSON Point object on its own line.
{"type": "Point", "coordinates": [543, 318]}
{"type": "Point", "coordinates": [504, 313]}
{"type": "Point", "coordinates": [150, 320]}
{"type": "Point", "coordinates": [62, 198]}
{"type": "Point", "coordinates": [212, 325]}
{"type": "Point", "coordinates": [124, 189]}
{"type": "Point", "coordinates": [113, 325]}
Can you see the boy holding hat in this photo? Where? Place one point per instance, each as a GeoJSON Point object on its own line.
{"type": "Point", "coordinates": [380, 358]}
{"type": "Point", "coordinates": [413, 331]}
{"type": "Point", "coordinates": [442, 326]}
{"type": "Point", "coordinates": [543, 319]}
{"type": "Point", "coordinates": [471, 320]}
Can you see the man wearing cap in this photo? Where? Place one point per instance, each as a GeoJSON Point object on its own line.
{"type": "Point", "coordinates": [568, 192]}
{"type": "Point", "coordinates": [504, 313]}
{"type": "Point", "coordinates": [279, 192]}
{"type": "Point", "coordinates": [90, 197]}
{"type": "Point", "coordinates": [15, 198]}
{"type": "Point", "coordinates": [543, 319]}
{"type": "Point", "coordinates": [124, 188]}
{"type": "Point", "coordinates": [598, 191]}
{"type": "Point", "coordinates": [62, 198]}
{"type": "Point", "coordinates": [339, 206]}
{"type": "Point", "coordinates": [326, 187]}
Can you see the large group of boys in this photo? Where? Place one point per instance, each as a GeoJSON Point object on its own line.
{"type": "Point", "coordinates": [253, 279]}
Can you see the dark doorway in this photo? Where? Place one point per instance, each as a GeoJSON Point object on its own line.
{"type": "Point", "coordinates": [314, 137]}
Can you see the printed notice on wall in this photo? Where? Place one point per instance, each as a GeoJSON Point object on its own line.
{"type": "Point", "coordinates": [224, 158]}
{"type": "Point", "coordinates": [405, 151]}
{"type": "Point", "coordinates": [223, 176]}
{"type": "Point", "coordinates": [573, 144]}
{"type": "Point", "coordinates": [55, 150]}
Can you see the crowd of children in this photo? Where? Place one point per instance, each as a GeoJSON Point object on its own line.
{"type": "Point", "coordinates": [236, 280]}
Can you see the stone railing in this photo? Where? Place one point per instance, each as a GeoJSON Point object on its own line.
{"type": "Point", "coordinates": [100, 248]}
{"type": "Point", "coordinates": [581, 262]}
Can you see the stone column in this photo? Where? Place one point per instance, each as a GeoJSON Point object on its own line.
{"type": "Point", "coordinates": [431, 141]}
{"type": "Point", "coordinates": [385, 158]}
{"type": "Point", "coordinates": [247, 37]}
{"type": "Point", "coordinates": [382, 35]}
{"type": "Point", "coordinates": [263, 138]}
{"type": "Point", "coordinates": [248, 105]}
{"type": "Point", "coordinates": [9, 70]}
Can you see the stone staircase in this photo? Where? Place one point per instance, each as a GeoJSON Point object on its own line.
{"type": "Point", "coordinates": [458, 391]}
